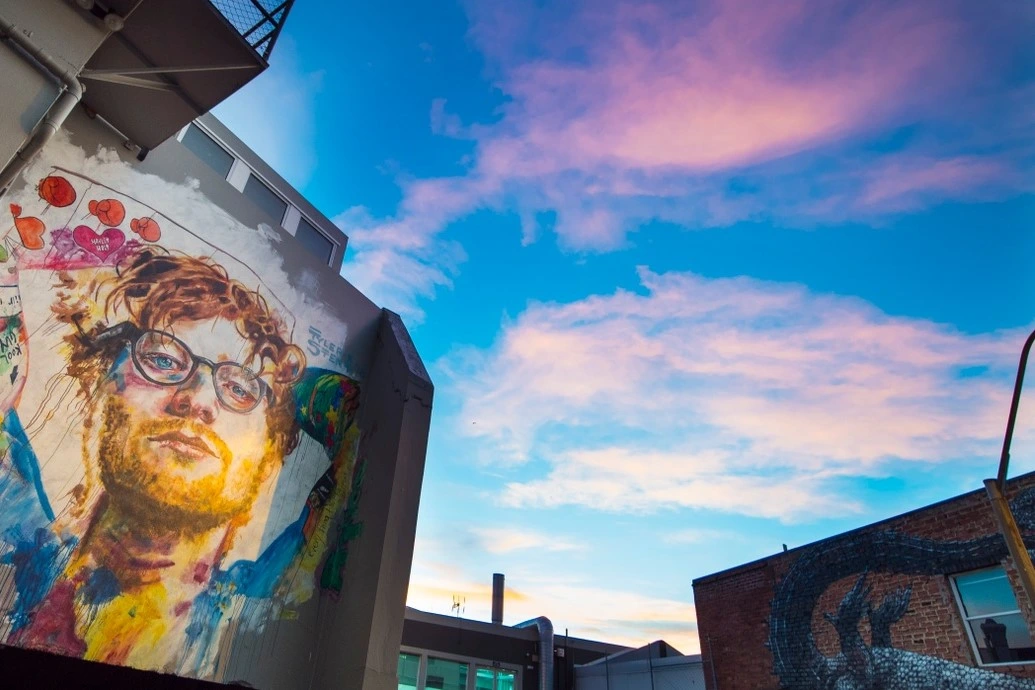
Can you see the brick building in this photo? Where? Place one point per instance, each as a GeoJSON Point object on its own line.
{"type": "Point", "coordinates": [927, 599]}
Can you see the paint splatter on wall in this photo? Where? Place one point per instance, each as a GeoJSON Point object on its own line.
{"type": "Point", "coordinates": [174, 449]}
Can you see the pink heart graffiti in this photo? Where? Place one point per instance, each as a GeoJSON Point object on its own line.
{"type": "Point", "coordinates": [103, 245]}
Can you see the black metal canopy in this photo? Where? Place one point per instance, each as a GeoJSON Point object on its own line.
{"type": "Point", "coordinates": [174, 60]}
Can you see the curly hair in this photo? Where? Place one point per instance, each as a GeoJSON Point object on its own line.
{"type": "Point", "coordinates": [157, 290]}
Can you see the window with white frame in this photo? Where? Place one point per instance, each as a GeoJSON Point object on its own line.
{"type": "Point", "coordinates": [217, 155]}
{"type": "Point", "coordinates": [492, 678]}
{"type": "Point", "coordinates": [994, 622]}
{"type": "Point", "coordinates": [409, 671]}
{"type": "Point", "coordinates": [208, 150]}
{"type": "Point", "coordinates": [314, 240]}
{"type": "Point", "coordinates": [445, 674]}
{"type": "Point", "coordinates": [265, 198]}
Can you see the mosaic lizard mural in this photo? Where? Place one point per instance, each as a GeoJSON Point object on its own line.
{"type": "Point", "coordinates": [178, 433]}
{"type": "Point", "coordinates": [800, 665]}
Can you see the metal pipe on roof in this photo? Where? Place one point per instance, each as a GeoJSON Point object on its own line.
{"type": "Point", "coordinates": [545, 628]}
{"type": "Point", "coordinates": [497, 598]}
{"type": "Point", "coordinates": [60, 109]}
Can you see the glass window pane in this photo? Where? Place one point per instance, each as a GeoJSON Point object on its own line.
{"type": "Point", "coordinates": [409, 666]}
{"type": "Point", "coordinates": [265, 198]}
{"type": "Point", "coordinates": [314, 240]}
{"type": "Point", "coordinates": [446, 675]}
{"type": "Point", "coordinates": [985, 592]}
{"type": "Point", "coordinates": [206, 148]}
{"type": "Point", "coordinates": [1003, 639]}
{"type": "Point", "coordinates": [505, 680]}
{"type": "Point", "coordinates": [483, 679]}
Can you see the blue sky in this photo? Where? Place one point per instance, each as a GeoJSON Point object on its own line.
{"type": "Point", "coordinates": [693, 280]}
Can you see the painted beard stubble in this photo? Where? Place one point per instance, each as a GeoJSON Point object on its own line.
{"type": "Point", "coordinates": [158, 501]}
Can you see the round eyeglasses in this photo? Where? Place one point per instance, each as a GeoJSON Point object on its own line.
{"type": "Point", "coordinates": [165, 360]}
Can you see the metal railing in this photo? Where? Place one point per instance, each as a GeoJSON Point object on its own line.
{"type": "Point", "coordinates": [258, 21]}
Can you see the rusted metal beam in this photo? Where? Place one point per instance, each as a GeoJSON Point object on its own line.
{"type": "Point", "coordinates": [1012, 534]}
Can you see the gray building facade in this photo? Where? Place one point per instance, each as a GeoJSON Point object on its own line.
{"type": "Point", "coordinates": [211, 444]}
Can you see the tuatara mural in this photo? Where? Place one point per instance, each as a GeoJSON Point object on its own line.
{"type": "Point", "coordinates": [800, 665]}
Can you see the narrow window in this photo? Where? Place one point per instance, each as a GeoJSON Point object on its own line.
{"type": "Point", "coordinates": [409, 667]}
{"type": "Point", "coordinates": [446, 675]}
{"type": "Point", "coordinates": [484, 679]}
{"type": "Point", "coordinates": [996, 628]}
{"type": "Point", "coordinates": [265, 198]}
{"type": "Point", "coordinates": [314, 240]}
{"type": "Point", "coordinates": [493, 679]}
{"type": "Point", "coordinates": [207, 149]}
{"type": "Point", "coordinates": [505, 679]}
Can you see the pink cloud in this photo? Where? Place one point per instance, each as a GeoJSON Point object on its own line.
{"type": "Point", "coordinates": [620, 113]}
{"type": "Point", "coordinates": [636, 481]}
{"type": "Point", "coordinates": [902, 182]}
{"type": "Point", "coordinates": [709, 93]}
{"type": "Point", "coordinates": [727, 394]}
{"type": "Point", "coordinates": [397, 261]}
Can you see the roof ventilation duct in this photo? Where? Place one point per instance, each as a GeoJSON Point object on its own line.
{"type": "Point", "coordinates": [545, 628]}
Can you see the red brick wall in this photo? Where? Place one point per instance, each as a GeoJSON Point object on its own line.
{"type": "Point", "coordinates": [733, 607]}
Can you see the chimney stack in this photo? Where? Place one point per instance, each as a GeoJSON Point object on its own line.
{"type": "Point", "coordinates": [497, 598]}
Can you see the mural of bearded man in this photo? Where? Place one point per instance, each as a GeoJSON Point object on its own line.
{"type": "Point", "coordinates": [185, 379]}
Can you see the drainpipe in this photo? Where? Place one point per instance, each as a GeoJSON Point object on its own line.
{"type": "Point", "coordinates": [545, 627]}
{"type": "Point", "coordinates": [71, 94]}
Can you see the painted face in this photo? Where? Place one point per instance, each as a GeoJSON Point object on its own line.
{"type": "Point", "coordinates": [179, 454]}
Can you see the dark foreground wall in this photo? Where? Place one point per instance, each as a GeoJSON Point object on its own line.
{"type": "Point", "coordinates": [878, 608]}
{"type": "Point", "coordinates": [26, 668]}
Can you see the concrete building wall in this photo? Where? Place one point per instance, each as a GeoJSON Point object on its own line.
{"type": "Point", "coordinates": [174, 163]}
{"type": "Point", "coordinates": [878, 603]}
{"type": "Point", "coordinates": [364, 636]}
{"type": "Point", "coordinates": [273, 550]}
{"type": "Point", "coordinates": [67, 35]}
{"type": "Point", "coordinates": [304, 208]}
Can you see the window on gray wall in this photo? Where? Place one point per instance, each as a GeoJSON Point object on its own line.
{"type": "Point", "coordinates": [494, 678]}
{"type": "Point", "coordinates": [265, 198]}
{"type": "Point", "coordinates": [994, 622]}
{"type": "Point", "coordinates": [444, 674]}
{"type": "Point", "coordinates": [314, 240]}
{"type": "Point", "coordinates": [409, 669]}
{"type": "Point", "coordinates": [206, 148]}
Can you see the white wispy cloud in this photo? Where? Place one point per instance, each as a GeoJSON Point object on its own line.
{"type": "Point", "coordinates": [508, 539]}
{"type": "Point", "coordinates": [698, 535]}
{"type": "Point", "coordinates": [397, 262]}
{"type": "Point", "coordinates": [733, 395]}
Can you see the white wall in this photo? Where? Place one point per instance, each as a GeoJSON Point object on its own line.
{"type": "Point", "coordinates": [66, 34]}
